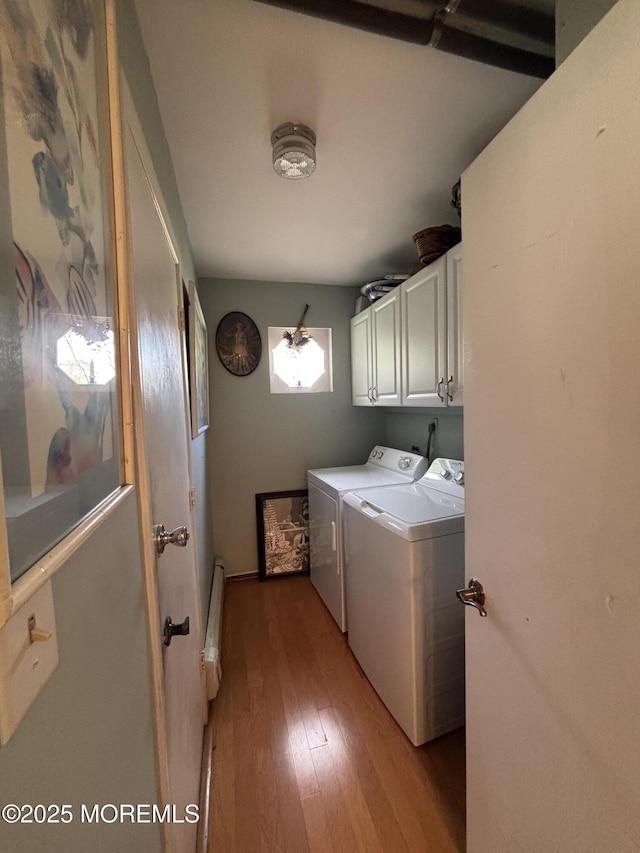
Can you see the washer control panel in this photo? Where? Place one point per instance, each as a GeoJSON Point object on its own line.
{"type": "Point", "coordinates": [447, 475]}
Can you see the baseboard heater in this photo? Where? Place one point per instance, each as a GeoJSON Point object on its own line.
{"type": "Point", "coordinates": [213, 639]}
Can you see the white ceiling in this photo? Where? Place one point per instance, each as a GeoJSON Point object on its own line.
{"type": "Point", "coordinates": [396, 124]}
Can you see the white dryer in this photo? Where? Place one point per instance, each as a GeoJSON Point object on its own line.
{"type": "Point", "coordinates": [384, 467]}
{"type": "Point", "coordinates": [404, 561]}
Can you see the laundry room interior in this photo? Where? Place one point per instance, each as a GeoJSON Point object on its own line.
{"type": "Point", "coordinates": [356, 266]}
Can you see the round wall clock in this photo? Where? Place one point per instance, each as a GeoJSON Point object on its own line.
{"type": "Point", "coordinates": [238, 343]}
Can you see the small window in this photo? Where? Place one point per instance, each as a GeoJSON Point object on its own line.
{"type": "Point", "coordinates": [307, 369]}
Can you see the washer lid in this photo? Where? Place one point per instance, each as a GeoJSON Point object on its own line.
{"type": "Point", "coordinates": [385, 466]}
{"type": "Point", "coordinates": [354, 477]}
{"type": "Point", "coordinates": [414, 503]}
{"type": "Point", "coordinates": [412, 511]}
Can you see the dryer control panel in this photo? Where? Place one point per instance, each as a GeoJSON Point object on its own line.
{"type": "Point", "coordinates": [411, 464]}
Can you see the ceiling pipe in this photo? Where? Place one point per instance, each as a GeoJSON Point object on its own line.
{"type": "Point", "coordinates": [511, 18]}
{"type": "Point", "coordinates": [374, 19]}
{"type": "Point", "coordinates": [462, 43]}
{"type": "Point", "coordinates": [524, 25]}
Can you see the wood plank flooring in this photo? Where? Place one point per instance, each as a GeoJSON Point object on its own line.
{"type": "Point", "coordinates": [306, 757]}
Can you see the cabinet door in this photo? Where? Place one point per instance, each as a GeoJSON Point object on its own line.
{"type": "Point", "coordinates": [424, 329]}
{"type": "Point", "coordinates": [361, 366]}
{"type": "Point", "coordinates": [387, 389]}
{"type": "Point", "coordinates": [455, 339]}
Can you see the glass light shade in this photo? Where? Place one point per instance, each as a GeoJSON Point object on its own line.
{"type": "Point", "coordinates": [294, 152]}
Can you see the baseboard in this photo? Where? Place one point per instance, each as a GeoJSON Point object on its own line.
{"type": "Point", "coordinates": [243, 577]}
{"type": "Point", "coordinates": [202, 842]}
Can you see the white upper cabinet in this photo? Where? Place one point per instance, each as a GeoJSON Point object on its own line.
{"type": "Point", "coordinates": [424, 326]}
{"type": "Point", "coordinates": [387, 389]}
{"type": "Point", "coordinates": [407, 348]}
{"type": "Point", "coordinates": [375, 353]}
{"type": "Point", "coordinates": [361, 360]}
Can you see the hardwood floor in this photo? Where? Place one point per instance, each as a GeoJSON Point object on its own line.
{"type": "Point", "coordinates": [306, 757]}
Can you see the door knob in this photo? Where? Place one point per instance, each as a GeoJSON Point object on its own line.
{"type": "Point", "coordinates": [473, 595]}
{"type": "Point", "coordinates": [171, 630]}
{"type": "Point", "coordinates": [162, 537]}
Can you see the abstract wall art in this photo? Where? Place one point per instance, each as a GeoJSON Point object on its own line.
{"type": "Point", "coordinates": [59, 435]}
{"type": "Point", "coordinates": [198, 365]}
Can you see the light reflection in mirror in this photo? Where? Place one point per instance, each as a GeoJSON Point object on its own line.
{"type": "Point", "coordinates": [87, 355]}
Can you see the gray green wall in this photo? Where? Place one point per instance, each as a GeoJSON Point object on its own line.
{"type": "Point", "coordinates": [404, 428]}
{"type": "Point", "coordinates": [88, 738]}
{"type": "Point", "coordinates": [266, 442]}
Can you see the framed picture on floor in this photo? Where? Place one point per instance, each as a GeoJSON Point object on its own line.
{"type": "Point", "coordinates": [283, 533]}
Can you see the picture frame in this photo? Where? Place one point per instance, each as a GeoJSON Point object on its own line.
{"type": "Point", "coordinates": [283, 533]}
{"type": "Point", "coordinates": [198, 364]}
{"type": "Point", "coordinates": [61, 435]}
{"type": "Point", "coordinates": [238, 343]}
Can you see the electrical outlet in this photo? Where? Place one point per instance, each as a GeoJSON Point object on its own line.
{"type": "Point", "coordinates": [433, 421]}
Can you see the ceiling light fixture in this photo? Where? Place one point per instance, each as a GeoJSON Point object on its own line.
{"type": "Point", "coordinates": [294, 150]}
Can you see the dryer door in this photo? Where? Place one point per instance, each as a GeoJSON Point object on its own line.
{"type": "Point", "coordinates": [325, 544]}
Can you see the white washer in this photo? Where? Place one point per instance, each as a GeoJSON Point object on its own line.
{"type": "Point", "coordinates": [404, 561]}
{"type": "Point", "coordinates": [384, 467]}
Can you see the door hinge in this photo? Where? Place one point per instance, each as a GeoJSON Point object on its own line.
{"type": "Point", "coordinates": [181, 322]}
{"type": "Point", "coordinates": [192, 498]}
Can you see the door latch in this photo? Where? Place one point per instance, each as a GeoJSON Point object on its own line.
{"type": "Point", "coordinates": [171, 630]}
{"type": "Point", "coordinates": [473, 596]}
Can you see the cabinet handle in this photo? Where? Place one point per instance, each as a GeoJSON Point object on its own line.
{"type": "Point", "coordinates": [370, 394]}
{"type": "Point", "coordinates": [449, 395]}
{"type": "Point", "coordinates": [440, 397]}
{"type": "Point", "coordinates": [375, 394]}
{"type": "Point", "coordinates": [334, 537]}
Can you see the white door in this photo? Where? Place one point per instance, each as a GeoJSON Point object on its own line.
{"type": "Point", "coordinates": [424, 330]}
{"type": "Point", "coordinates": [552, 458]}
{"type": "Point", "coordinates": [160, 352]}
{"type": "Point", "coordinates": [386, 350]}
{"type": "Point", "coordinates": [361, 359]}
